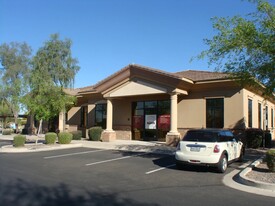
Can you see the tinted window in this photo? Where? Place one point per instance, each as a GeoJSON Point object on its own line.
{"type": "Point", "coordinates": [225, 136]}
{"type": "Point", "coordinates": [215, 113]}
{"type": "Point", "coordinates": [222, 137]}
{"type": "Point", "coordinates": [201, 136]}
{"type": "Point", "coordinates": [230, 135]}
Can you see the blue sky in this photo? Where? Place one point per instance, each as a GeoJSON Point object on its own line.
{"type": "Point", "coordinates": [107, 35]}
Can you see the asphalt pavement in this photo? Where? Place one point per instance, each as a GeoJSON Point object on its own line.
{"type": "Point", "coordinates": [236, 179]}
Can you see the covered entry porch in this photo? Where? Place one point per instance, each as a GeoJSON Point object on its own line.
{"type": "Point", "coordinates": [136, 103]}
{"type": "Point", "coordinates": [149, 113]}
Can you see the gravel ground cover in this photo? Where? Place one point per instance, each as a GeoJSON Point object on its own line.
{"type": "Point", "coordinates": [262, 174]}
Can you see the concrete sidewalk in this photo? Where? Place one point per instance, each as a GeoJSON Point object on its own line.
{"type": "Point", "coordinates": [125, 145]}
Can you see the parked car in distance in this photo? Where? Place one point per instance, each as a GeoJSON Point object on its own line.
{"type": "Point", "coordinates": [210, 147]}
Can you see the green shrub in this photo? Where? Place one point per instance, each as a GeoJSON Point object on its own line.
{"type": "Point", "coordinates": [65, 138]}
{"type": "Point", "coordinates": [6, 132]}
{"type": "Point", "coordinates": [19, 140]}
{"type": "Point", "coordinates": [95, 133]}
{"type": "Point", "coordinates": [254, 138]}
{"type": "Point", "coordinates": [50, 137]}
{"type": "Point", "coordinates": [77, 135]}
{"type": "Point", "coordinates": [270, 160]}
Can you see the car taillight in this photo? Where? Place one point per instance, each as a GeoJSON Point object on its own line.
{"type": "Point", "coordinates": [216, 149]}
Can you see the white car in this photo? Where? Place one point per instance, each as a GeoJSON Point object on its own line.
{"type": "Point", "coordinates": [211, 147]}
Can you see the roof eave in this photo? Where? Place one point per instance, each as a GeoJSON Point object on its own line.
{"type": "Point", "coordinates": [213, 81]}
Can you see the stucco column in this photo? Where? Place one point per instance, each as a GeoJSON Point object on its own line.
{"type": "Point", "coordinates": [174, 113]}
{"type": "Point", "coordinates": [61, 126]}
{"type": "Point", "coordinates": [109, 121]}
{"type": "Point", "coordinates": [173, 135]}
{"type": "Point", "coordinates": [109, 134]}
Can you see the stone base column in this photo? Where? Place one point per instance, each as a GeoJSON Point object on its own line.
{"type": "Point", "coordinates": [172, 139]}
{"type": "Point", "coordinates": [108, 136]}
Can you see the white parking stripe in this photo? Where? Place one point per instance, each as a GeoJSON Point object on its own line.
{"type": "Point", "coordinates": [76, 153]}
{"type": "Point", "coordinates": [162, 168]}
{"type": "Point", "coordinates": [115, 159]}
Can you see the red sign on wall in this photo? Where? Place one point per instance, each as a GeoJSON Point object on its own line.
{"type": "Point", "coordinates": [164, 122]}
{"type": "Point", "coordinates": [138, 122]}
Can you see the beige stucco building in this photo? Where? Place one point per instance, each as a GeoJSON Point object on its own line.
{"type": "Point", "coordinates": [139, 102]}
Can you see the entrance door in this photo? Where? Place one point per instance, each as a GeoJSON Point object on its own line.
{"type": "Point", "coordinates": [150, 117]}
{"type": "Point", "coordinates": [150, 120]}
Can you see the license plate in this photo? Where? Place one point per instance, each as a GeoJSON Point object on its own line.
{"type": "Point", "coordinates": [194, 149]}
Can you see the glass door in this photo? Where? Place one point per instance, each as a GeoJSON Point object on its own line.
{"type": "Point", "coordinates": [150, 117]}
{"type": "Point", "coordinates": [150, 120]}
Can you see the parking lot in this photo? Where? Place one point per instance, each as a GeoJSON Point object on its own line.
{"type": "Point", "coordinates": [87, 176]}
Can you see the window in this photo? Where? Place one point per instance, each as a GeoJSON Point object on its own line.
{"type": "Point", "coordinates": [215, 113]}
{"type": "Point", "coordinates": [159, 108]}
{"type": "Point", "coordinates": [83, 116]}
{"type": "Point", "coordinates": [138, 115]}
{"type": "Point", "coordinates": [249, 113]}
{"type": "Point", "coordinates": [201, 136]}
{"type": "Point", "coordinates": [100, 115]}
{"type": "Point", "coordinates": [266, 117]}
{"type": "Point", "coordinates": [163, 107]}
{"type": "Point", "coordinates": [259, 115]}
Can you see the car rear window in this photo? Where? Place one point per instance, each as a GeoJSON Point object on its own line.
{"type": "Point", "coordinates": [201, 136]}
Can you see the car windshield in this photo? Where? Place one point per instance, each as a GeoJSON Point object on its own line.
{"type": "Point", "coordinates": [201, 136]}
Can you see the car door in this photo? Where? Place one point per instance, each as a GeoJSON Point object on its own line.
{"type": "Point", "coordinates": [232, 146]}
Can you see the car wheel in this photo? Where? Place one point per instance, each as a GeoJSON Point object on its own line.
{"type": "Point", "coordinates": [222, 165]}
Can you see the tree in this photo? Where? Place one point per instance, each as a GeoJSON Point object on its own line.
{"type": "Point", "coordinates": [245, 48]}
{"type": "Point", "coordinates": [15, 61]}
{"type": "Point", "coordinates": [5, 112]}
{"type": "Point", "coordinates": [54, 69]}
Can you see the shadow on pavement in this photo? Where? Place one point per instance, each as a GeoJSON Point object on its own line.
{"type": "Point", "coordinates": [23, 193]}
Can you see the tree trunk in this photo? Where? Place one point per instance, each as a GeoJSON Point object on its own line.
{"type": "Point", "coordinates": [16, 122]}
{"type": "Point", "coordinates": [40, 126]}
{"type": "Point", "coordinates": [4, 122]}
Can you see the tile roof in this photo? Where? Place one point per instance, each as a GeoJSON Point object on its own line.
{"type": "Point", "coordinates": [158, 71]}
{"type": "Point", "coordinates": [72, 92]}
{"type": "Point", "coordinates": [192, 75]}
{"type": "Point", "coordinates": [201, 75]}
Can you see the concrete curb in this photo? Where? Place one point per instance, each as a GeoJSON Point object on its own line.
{"type": "Point", "coordinates": [132, 146]}
{"type": "Point", "coordinates": [250, 182]}
{"type": "Point", "coordinates": [230, 181]}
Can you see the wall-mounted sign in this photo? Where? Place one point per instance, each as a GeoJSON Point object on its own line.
{"type": "Point", "coordinates": [151, 121]}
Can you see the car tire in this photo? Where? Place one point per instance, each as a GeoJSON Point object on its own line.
{"type": "Point", "coordinates": [222, 164]}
